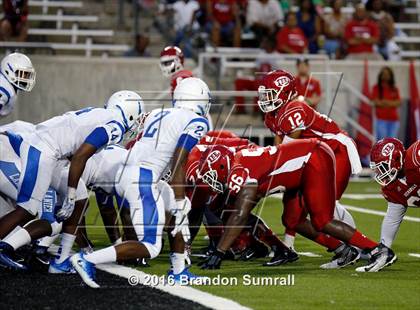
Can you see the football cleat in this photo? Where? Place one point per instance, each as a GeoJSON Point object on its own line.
{"type": "Point", "coordinates": [185, 277]}
{"type": "Point", "coordinates": [64, 267]}
{"type": "Point", "coordinates": [348, 255]}
{"type": "Point", "coordinates": [5, 258]}
{"type": "Point", "coordinates": [282, 256]}
{"type": "Point", "coordinates": [256, 251]}
{"type": "Point", "coordinates": [85, 269]}
{"type": "Point", "coordinates": [382, 256]}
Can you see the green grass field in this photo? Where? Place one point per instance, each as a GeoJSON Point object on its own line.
{"type": "Point", "coordinates": [395, 287]}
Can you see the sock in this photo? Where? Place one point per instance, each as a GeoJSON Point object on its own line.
{"type": "Point", "coordinates": [67, 241]}
{"type": "Point", "coordinates": [361, 241]}
{"type": "Point", "coordinates": [46, 241]}
{"type": "Point", "coordinates": [107, 255]}
{"type": "Point", "coordinates": [17, 228]}
{"type": "Point", "coordinates": [289, 240]}
{"type": "Point", "coordinates": [327, 241]}
{"type": "Point", "coordinates": [177, 262]}
{"type": "Point", "coordinates": [269, 238]}
{"type": "Point", "coordinates": [18, 239]}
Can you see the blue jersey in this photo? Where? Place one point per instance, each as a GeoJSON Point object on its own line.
{"type": "Point", "coordinates": [64, 134]}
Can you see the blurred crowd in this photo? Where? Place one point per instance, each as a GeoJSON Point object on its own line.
{"type": "Point", "coordinates": [13, 24]}
{"type": "Point", "coordinates": [312, 26]}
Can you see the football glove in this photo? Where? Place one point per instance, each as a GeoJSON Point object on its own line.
{"type": "Point", "coordinates": [214, 261]}
{"type": "Point", "coordinates": [68, 205]}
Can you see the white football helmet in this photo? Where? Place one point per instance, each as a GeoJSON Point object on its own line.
{"type": "Point", "coordinates": [131, 106]}
{"type": "Point", "coordinates": [192, 94]}
{"type": "Point", "coordinates": [19, 71]}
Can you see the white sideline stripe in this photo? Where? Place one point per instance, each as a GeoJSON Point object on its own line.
{"type": "Point", "coordinates": [185, 292]}
{"type": "Point", "coordinates": [380, 213]}
{"type": "Point", "coordinates": [362, 196]}
{"type": "Point", "coordinates": [309, 254]}
{"type": "Point", "coordinates": [414, 255]}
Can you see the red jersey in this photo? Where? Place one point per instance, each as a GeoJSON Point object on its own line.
{"type": "Point", "coordinates": [402, 193]}
{"type": "Point", "coordinates": [223, 11]}
{"type": "Point", "coordinates": [308, 88]}
{"type": "Point", "coordinates": [178, 77]}
{"type": "Point", "coordinates": [297, 115]}
{"type": "Point", "coordinates": [272, 168]}
{"type": "Point", "coordinates": [366, 28]}
{"type": "Point", "coordinates": [412, 163]}
{"type": "Point", "coordinates": [388, 93]}
{"type": "Point", "coordinates": [294, 38]}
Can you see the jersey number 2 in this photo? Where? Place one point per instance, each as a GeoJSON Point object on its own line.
{"type": "Point", "coordinates": [155, 124]}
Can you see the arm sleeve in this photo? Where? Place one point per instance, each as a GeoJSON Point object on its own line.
{"type": "Point", "coordinates": [391, 223]}
{"type": "Point", "coordinates": [98, 137]}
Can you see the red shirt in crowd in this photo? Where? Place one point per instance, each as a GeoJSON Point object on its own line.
{"type": "Point", "coordinates": [366, 28]}
{"type": "Point", "coordinates": [388, 93]}
{"type": "Point", "coordinates": [223, 11]}
{"type": "Point", "coordinates": [294, 38]}
{"type": "Point", "coordinates": [308, 88]}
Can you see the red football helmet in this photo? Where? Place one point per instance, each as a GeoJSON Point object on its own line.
{"type": "Point", "coordinates": [171, 60]}
{"type": "Point", "coordinates": [386, 160]}
{"type": "Point", "coordinates": [276, 88]}
{"type": "Point", "coordinates": [215, 165]}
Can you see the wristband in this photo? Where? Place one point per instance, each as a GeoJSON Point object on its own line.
{"type": "Point", "coordinates": [71, 193]}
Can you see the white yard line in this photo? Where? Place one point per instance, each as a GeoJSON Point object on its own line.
{"type": "Point", "coordinates": [185, 292]}
{"type": "Point", "coordinates": [363, 196]}
{"type": "Point", "coordinates": [414, 255]}
{"type": "Point", "coordinates": [380, 213]}
{"type": "Point", "coordinates": [309, 254]}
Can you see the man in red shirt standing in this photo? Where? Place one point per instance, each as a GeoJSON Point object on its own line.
{"type": "Point", "coordinates": [291, 39]}
{"type": "Point", "coordinates": [307, 86]}
{"type": "Point", "coordinates": [14, 22]}
{"type": "Point", "coordinates": [224, 18]}
{"type": "Point", "coordinates": [361, 34]}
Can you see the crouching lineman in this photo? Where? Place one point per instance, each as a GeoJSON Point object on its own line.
{"type": "Point", "coordinates": [398, 173]}
{"type": "Point", "coordinates": [307, 166]}
{"type": "Point", "coordinates": [168, 137]}
{"type": "Point", "coordinates": [291, 119]}
{"type": "Point", "coordinates": [58, 139]}
{"type": "Point", "coordinates": [17, 73]}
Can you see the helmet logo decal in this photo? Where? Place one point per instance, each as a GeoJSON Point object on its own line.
{"type": "Point", "coordinates": [282, 81]}
{"type": "Point", "coordinates": [387, 149]}
{"type": "Point", "coordinates": [214, 156]}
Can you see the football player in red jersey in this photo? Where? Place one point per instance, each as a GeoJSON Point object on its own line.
{"type": "Point", "coordinates": [251, 242]}
{"type": "Point", "coordinates": [292, 119]}
{"type": "Point", "coordinates": [172, 65]}
{"type": "Point", "coordinates": [305, 166]}
{"type": "Point", "coordinates": [398, 173]}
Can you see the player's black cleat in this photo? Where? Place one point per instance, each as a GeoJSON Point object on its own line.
{"type": "Point", "coordinates": [346, 255]}
{"type": "Point", "coordinates": [282, 256]}
{"type": "Point", "coordinates": [257, 250]}
{"type": "Point", "coordinates": [382, 256]}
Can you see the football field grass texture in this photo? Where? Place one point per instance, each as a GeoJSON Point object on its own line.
{"type": "Point", "coordinates": [395, 287]}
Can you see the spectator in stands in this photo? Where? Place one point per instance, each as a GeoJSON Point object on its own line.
{"type": "Point", "coordinates": [184, 18]}
{"type": "Point", "coordinates": [224, 21]}
{"type": "Point", "coordinates": [291, 39]}
{"type": "Point", "coordinates": [307, 86]}
{"type": "Point", "coordinates": [361, 34]}
{"type": "Point", "coordinates": [140, 47]}
{"type": "Point", "coordinates": [264, 17]}
{"type": "Point", "coordinates": [386, 96]}
{"type": "Point", "coordinates": [310, 23]}
{"type": "Point", "coordinates": [385, 21]}
{"type": "Point", "coordinates": [334, 25]}
{"type": "Point", "coordinates": [263, 64]}
{"type": "Point", "coordinates": [14, 22]}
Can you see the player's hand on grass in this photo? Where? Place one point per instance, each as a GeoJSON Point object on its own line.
{"type": "Point", "coordinates": [213, 261]}
{"type": "Point", "coordinates": [68, 205]}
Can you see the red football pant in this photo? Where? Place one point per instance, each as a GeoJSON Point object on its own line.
{"type": "Point", "coordinates": [317, 192]}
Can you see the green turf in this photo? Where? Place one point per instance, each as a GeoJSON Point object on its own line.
{"type": "Point", "coordinates": [394, 287]}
